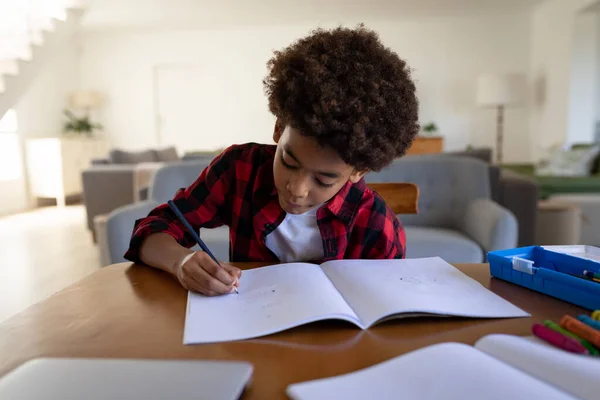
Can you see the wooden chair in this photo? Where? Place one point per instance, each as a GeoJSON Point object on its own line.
{"type": "Point", "coordinates": [402, 198]}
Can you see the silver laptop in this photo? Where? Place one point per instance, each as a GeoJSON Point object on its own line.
{"type": "Point", "coordinates": [90, 379]}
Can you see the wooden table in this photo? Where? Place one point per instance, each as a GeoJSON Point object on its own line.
{"type": "Point", "coordinates": [131, 311]}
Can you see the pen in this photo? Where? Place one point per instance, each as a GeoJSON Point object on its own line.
{"type": "Point", "coordinates": [191, 231]}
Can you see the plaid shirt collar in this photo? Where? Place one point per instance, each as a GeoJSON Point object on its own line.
{"type": "Point", "coordinates": [343, 206]}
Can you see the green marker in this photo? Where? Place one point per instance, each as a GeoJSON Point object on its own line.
{"type": "Point", "coordinates": [555, 327]}
{"type": "Point", "coordinates": [591, 275]}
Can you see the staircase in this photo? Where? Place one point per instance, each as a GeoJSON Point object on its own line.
{"type": "Point", "coordinates": [29, 31]}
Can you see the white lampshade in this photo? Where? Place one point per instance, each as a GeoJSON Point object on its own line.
{"type": "Point", "coordinates": [500, 89]}
{"type": "Point", "coordinates": [85, 99]}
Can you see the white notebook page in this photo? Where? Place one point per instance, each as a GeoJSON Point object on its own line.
{"type": "Point", "coordinates": [379, 288]}
{"type": "Point", "coordinates": [443, 371]}
{"type": "Point", "coordinates": [270, 299]}
{"type": "Point", "coordinates": [574, 373]}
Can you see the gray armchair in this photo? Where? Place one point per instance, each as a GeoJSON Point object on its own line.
{"type": "Point", "coordinates": [457, 219]}
{"type": "Point", "coordinates": [517, 193]}
{"type": "Point", "coordinates": [165, 182]}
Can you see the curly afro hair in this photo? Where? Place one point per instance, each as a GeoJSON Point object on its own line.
{"type": "Point", "coordinates": [349, 92]}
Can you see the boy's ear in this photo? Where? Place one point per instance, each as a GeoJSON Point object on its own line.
{"type": "Point", "coordinates": [278, 131]}
{"type": "Point", "coordinates": [357, 175]}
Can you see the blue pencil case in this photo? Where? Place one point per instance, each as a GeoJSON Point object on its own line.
{"type": "Point", "coordinates": [553, 270]}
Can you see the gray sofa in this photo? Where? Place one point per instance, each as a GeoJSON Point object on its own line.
{"type": "Point", "coordinates": [458, 220]}
{"type": "Point", "coordinates": [112, 182]}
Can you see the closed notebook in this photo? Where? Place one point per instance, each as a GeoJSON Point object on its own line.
{"type": "Point", "coordinates": [95, 379]}
{"type": "Point", "coordinates": [498, 367]}
{"type": "Point", "coordinates": [363, 292]}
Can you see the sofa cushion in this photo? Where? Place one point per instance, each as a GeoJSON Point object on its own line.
{"type": "Point", "coordinates": [451, 245]}
{"type": "Point", "coordinates": [132, 157]}
{"type": "Point", "coordinates": [166, 155]}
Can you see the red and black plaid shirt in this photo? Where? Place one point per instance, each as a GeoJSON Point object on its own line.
{"type": "Point", "coordinates": [237, 189]}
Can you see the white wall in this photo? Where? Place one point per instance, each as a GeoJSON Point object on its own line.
{"type": "Point", "coordinates": [550, 71]}
{"type": "Point", "coordinates": [40, 110]}
{"type": "Point", "coordinates": [582, 94]}
{"type": "Point", "coordinates": [445, 53]}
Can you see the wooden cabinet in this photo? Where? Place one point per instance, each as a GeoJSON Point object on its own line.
{"type": "Point", "coordinates": [426, 145]}
{"type": "Point", "coordinates": [54, 165]}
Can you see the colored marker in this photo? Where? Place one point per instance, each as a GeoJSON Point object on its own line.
{"type": "Point", "coordinates": [591, 274]}
{"type": "Point", "coordinates": [589, 322]}
{"type": "Point", "coordinates": [558, 339]}
{"type": "Point", "coordinates": [596, 315]}
{"type": "Point", "coordinates": [580, 329]}
{"type": "Point", "coordinates": [555, 327]}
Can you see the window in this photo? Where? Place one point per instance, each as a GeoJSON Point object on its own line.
{"type": "Point", "coordinates": [10, 148]}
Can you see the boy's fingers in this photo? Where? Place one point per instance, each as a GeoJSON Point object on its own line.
{"type": "Point", "coordinates": [209, 282]}
{"type": "Point", "coordinates": [197, 286]}
{"type": "Point", "coordinates": [232, 270]}
{"type": "Point", "coordinates": [212, 268]}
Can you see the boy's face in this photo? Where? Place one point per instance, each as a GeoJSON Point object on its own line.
{"type": "Point", "coordinates": [307, 175]}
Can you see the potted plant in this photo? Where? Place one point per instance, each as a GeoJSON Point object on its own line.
{"type": "Point", "coordinates": [430, 129]}
{"type": "Point", "coordinates": [79, 125]}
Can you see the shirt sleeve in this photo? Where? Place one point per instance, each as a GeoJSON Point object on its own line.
{"type": "Point", "coordinates": [203, 203]}
{"type": "Point", "coordinates": [384, 237]}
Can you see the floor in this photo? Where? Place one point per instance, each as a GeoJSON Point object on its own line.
{"type": "Point", "coordinates": [41, 252]}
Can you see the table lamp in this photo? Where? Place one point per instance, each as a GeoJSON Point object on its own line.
{"type": "Point", "coordinates": [500, 91]}
{"type": "Point", "coordinates": [86, 100]}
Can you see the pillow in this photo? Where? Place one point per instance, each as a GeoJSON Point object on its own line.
{"type": "Point", "coordinates": [132, 157]}
{"type": "Point", "coordinates": [166, 155]}
{"type": "Point", "coordinates": [577, 161]}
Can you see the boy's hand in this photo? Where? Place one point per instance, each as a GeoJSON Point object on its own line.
{"type": "Point", "coordinates": [199, 273]}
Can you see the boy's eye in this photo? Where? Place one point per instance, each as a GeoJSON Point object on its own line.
{"type": "Point", "coordinates": [288, 166]}
{"type": "Point", "coordinates": [322, 184]}
{"type": "Point", "coordinates": [318, 181]}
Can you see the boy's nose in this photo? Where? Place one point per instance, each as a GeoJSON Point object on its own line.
{"type": "Point", "coordinates": [298, 188]}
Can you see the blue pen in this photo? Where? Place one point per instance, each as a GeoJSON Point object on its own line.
{"type": "Point", "coordinates": [191, 231]}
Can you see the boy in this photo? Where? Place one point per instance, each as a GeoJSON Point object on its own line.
{"type": "Point", "coordinates": [344, 105]}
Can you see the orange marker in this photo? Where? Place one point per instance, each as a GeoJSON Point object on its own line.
{"type": "Point", "coordinates": [580, 329]}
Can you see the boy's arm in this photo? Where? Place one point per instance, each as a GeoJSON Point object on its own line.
{"type": "Point", "coordinates": [162, 251]}
{"type": "Point", "coordinates": [203, 203]}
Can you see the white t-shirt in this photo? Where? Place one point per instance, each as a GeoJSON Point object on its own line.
{"type": "Point", "coordinates": [297, 238]}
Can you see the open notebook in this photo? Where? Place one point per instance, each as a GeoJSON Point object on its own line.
{"type": "Point", "coordinates": [275, 298]}
{"type": "Point", "coordinates": [498, 367]}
